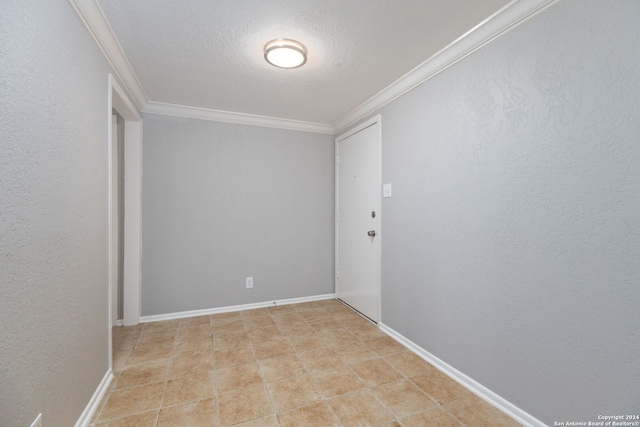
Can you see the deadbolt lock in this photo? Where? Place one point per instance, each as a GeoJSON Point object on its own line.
{"type": "Point", "coordinates": [371, 233]}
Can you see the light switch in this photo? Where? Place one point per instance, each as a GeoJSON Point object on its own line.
{"type": "Point", "coordinates": [386, 190]}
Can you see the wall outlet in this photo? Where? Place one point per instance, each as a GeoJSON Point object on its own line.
{"type": "Point", "coordinates": [37, 422]}
{"type": "Point", "coordinates": [386, 190]}
{"type": "Point", "coordinates": [249, 282]}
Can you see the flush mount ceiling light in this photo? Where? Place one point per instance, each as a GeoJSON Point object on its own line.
{"type": "Point", "coordinates": [285, 53]}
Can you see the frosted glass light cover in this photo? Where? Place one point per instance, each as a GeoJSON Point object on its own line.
{"type": "Point", "coordinates": [285, 53]}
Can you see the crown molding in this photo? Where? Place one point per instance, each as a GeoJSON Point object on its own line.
{"type": "Point", "coordinates": [96, 23]}
{"type": "Point", "coordinates": [237, 118]}
{"type": "Point", "coordinates": [510, 16]}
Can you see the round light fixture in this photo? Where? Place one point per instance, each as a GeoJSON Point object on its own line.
{"type": "Point", "coordinates": [285, 53]}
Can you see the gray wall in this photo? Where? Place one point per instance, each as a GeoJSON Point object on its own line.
{"type": "Point", "coordinates": [53, 214]}
{"type": "Point", "coordinates": [222, 202]}
{"type": "Point", "coordinates": [511, 245]}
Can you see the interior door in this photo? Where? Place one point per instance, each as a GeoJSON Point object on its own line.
{"type": "Point", "coordinates": [358, 218]}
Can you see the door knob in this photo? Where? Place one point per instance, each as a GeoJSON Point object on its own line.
{"type": "Point", "coordinates": [371, 233]}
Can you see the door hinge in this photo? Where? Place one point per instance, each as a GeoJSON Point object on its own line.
{"type": "Point", "coordinates": [337, 274]}
{"type": "Point", "coordinates": [337, 216]}
{"type": "Point", "coordinates": [338, 160]}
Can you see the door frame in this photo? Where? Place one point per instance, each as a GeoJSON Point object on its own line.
{"type": "Point", "coordinates": [120, 101]}
{"type": "Point", "coordinates": [374, 121]}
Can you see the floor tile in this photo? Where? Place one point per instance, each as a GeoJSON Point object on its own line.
{"type": "Point", "coordinates": [472, 410]}
{"type": "Point", "coordinates": [138, 375]}
{"type": "Point", "coordinates": [318, 414]}
{"type": "Point", "coordinates": [225, 317]}
{"type": "Point", "coordinates": [434, 417]}
{"type": "Point", "coordinates": [305, 343]}
{"type": "Point", "coordinates": [439, 386]}
{"type": "Point", "coordinates": [296, 329]}
{"type": "Point", "coordinates": [195, 332]}
{"type": "Point", "coordinates": [160, 326]}
{"type": "Point", "coordinates": [234, 339]}
{"type": "Point", "coordinates": [231, 356]}
{"type": "Point", "coordinates": [332, 383]}
{"type": "Point", "coordinates": [243, 405]}
{"type": "Point", "coordinates": [365, 332]}
{"type": "Point", "coordinates": [289, 318]}
{"type": "Point", "coordinates": [280, 309]}
{"type": "Point", "coordinates": [360, 408]}
{"type": "Point", "coordinates": [402, 398]}
{"type": "Point", "coordinates": [320, 360]}
{"type": "Point", "coordinates": [261, 335]}
{"type": "Point", "coordinates": [385, 346]}
{"type": "Point", "coordinates": [184, 389]}
{"type": "Point", "coordinates": [147, 353]}
{"type": "Point", "coordinates": [314, 314]}
{"type": "Point", "coordinates": [408, 364]}
{"type": "Point", "coordinates": [164, 337]}
{"type": "Point", "coordinates": [120, 359]}
{"type": "Point", "coordinates": [293, 392]}
{"type": "Point", "coordinates": [194, 321]}
{"type": "Point", "coordinates": [358, 352]}
{"type": "Point", "coordinates": [201, 413]}
{"type": "Point", "coordinates": [317, 363]}
{"type": "Point", "coordinates": [258, 312]}
{"type": "Point", "coordinates": [237, 376]}
{"type": "Point", "coordinates": [337, 338]}
{"type": "Point", "coordinates": [266, 350]}
{"type": "Point", "coordinates": [258, 323]}
{"type": "Point", "coordinates": [199, 363]}
{"type": "Point", "coordinates": [193, 347]}
{"type": "Point", "coordinates": [229, 327]}
{"type": "Point", "coordinates": [146, 419]}
{"type": "Point", "coordinates": [270, 421]}
{"type": "Point", "coordinates": [375, 372]}
{"type": "Point", "coordinates": [132, 401]}
{"type": "Point", "coordinates": [304, 306]}
{"type": "Point", "coordinates": [324, 324]}
{"type": "Point", "coordinates": [278, 368]}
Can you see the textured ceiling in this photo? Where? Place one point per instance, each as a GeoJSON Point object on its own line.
{"type": "Point", "coordinates": [208, 53]}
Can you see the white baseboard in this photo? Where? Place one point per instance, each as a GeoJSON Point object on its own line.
{"type": "Point", "coordinates": [91, 407]}
{"type": "Point", "coordinates": [469, 383]}
{"type": "Point", "coordinates": [228, 309]}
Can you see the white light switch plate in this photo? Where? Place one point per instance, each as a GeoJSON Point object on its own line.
{"type": "Point", "coordinates": [386, 190]}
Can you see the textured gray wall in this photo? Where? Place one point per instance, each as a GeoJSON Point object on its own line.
{"type": "Point", "coordinates": [511, 244]}
{"type": "Point", "coordinates": [222, 202]}
{"type": "Point", "coordinates": [53, 214]}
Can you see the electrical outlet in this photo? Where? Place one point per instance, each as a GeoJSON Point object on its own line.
{"type": "Point", "coordinates": [249, 282]}
{"type": "Point", "coordinates": [37, 422]}
{"type": "Point", "coordinates": [386, 190]}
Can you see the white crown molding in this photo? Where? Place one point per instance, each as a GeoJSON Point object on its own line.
{"type": "Point", "coordinates": [510, 16]}
{"type": "Point", "coordinates": [238, 118]}
{"type": "Point", "coordinates": [469, 383]}
{"type": "Point", "coordinates": [96, 23]}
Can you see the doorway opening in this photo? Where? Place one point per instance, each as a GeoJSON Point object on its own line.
{"type": "Point", "coordinates": [125, 208]}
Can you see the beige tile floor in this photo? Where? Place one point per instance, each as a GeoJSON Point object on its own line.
{"type": "Point", "coordinates": [310, 364]}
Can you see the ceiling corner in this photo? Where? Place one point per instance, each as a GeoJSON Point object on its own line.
{"type": "Point", "coordinates": [93, 18]}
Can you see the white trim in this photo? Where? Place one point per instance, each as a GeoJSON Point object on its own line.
{"type": "Point", "coordinates": [96, 23]}
{"type": "Point", "coordinates": [231, 308]}
{"type": "Point", "coordinates": [469, 383]}
{"type": "Point", "coordinates": [232, 117]}
{"type": "Point", "coordinates": [510, 16]}
{"type": "Point", "coordinates": [118, 99]}
{"type": "Point", "coordinates": [91, 407]}
{"type": "Point", "coordinates": [376, 120]}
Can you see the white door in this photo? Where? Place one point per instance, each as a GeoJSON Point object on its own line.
{"type": "Point", "coordinates": [358, 218]}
